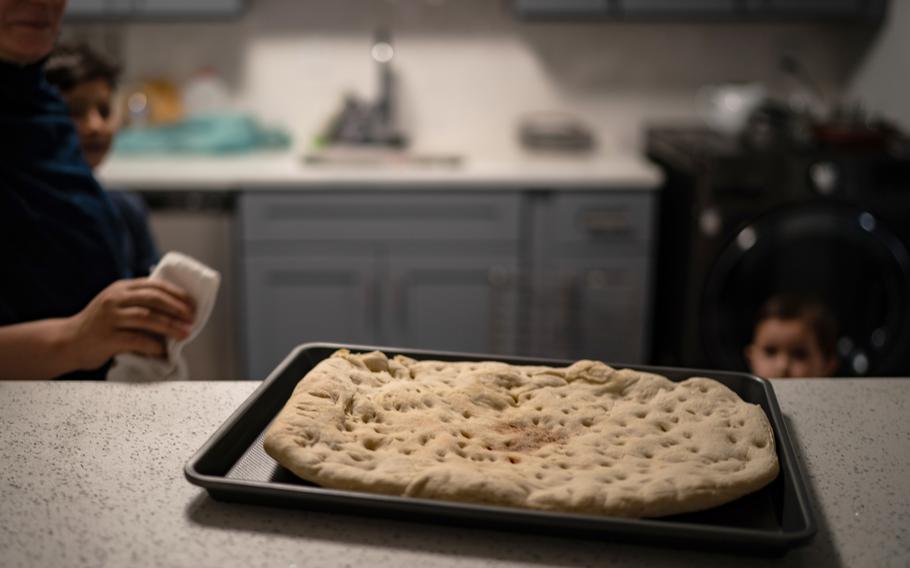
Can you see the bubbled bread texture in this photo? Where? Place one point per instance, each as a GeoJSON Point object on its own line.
{"type": "Point", "coordinates": [585, 438]}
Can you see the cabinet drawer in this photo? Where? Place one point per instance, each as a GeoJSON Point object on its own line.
{"type": "Point", "coordinates": [603, 219]}
{"type": "Point", "coordinates": [289, 300]}
{"type": "Point", "coordinates": [357, 216]}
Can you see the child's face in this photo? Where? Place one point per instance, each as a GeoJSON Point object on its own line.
{"type": "Point", "coordinates": [91, 111]}
{"type": "Point", "coordinates": [787, 348]}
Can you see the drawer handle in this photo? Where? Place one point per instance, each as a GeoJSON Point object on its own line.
{"type": "Point", "coordinates": [500, 277]}
{"type": "Point", "coordinates": [606, 222]}
{"type": "Point", "coordinates": [606, 279]}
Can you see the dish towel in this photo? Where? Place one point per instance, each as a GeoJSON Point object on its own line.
{"type": "Point", "coordinates": [201, 283]}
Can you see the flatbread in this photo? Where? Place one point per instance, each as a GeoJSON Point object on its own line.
{"type": "Point", "coordinates": [585, 438]}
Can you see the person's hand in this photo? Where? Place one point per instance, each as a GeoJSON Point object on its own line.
{"type": "Point", "coordinates": [129, 316]}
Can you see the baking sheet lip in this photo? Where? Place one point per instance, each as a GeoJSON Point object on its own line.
{"type": "Point", "coordinates": [190, 471]}
{"type": "Point", "coordinates": [600, 522]}
{"type": "Point", "coordinates": [781, 537]}
{"type": "Point", "coordinates": [793, 465]}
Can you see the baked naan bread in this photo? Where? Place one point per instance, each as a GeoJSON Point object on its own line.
{"type": "Point", "coordinates": [585, 438]}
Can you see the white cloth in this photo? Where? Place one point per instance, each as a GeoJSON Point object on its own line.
{"type": "Point", "coordinates": [201, 283]}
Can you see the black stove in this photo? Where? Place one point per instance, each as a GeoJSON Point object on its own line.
{"type": "Point", "coordinates": [825, 216]}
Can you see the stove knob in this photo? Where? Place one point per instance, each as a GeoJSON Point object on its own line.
{"type": "Point", "coordinates": [824, 177]}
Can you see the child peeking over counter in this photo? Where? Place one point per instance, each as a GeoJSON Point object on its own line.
{"type": "Point", "coordinates": [793, 337]}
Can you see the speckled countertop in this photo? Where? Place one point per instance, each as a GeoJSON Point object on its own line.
{"type": "Point", "coordinates": [92, 475]}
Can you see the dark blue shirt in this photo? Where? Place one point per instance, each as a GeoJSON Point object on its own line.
{"type": "Point", "coordinates": [59, 233]}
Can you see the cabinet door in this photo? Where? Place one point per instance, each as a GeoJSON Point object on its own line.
{"type": "Point", "coordinates": [98, 8]}
{"type": "Point", "coordinates": [561, 8]}
{"type": "Point", "coordinates": [678, 8]}
{"type": "Point", "coordinates": [807, 7]}
{"type": "Point", "coordinates": [296, 299]}
{"type": "Point", "coordinates": [139, 9]}
{"type": "Point", "coordinates": [847, 11]}
{"type": "Point", "coordinates": [447, 302]}
{"type": "Point", "coordinates": [599, 309]}
{"type": "Point", "coordinates": [859, 11]}
{"type": "Point", "coordinates": [591, 274]}
{"type": "Point", "coordinates": [188, 7]}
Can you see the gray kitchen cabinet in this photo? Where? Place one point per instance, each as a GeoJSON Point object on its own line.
{"type": "Point", "coordinates": [294, 298]}
{"type": "Point", "coordinates": [562, 8]}
{"type": "Point", "coordinates": [434, 269]}
{"type": "Point", "coordinates": [151, 9]}
{"type": "Point", "coordinates": [811, 7]}
{"type": "Point", "coordinates": [596, 309]}
{"type": "Point", "coordinates": [679, 8]}
{"type": "Point", "coordinates": [187, 7]}
{"type": "Point", "coordinates": [592, 274]}
{"type": "Point", "coordinates": [90, 8]}
{"type": "Point", "coordinates": [453, 301]}
{"type": "Point", "coordinates": [381, 216]}
{"type": "Point", "coordinates": [546, 273]}
{"type": "Point", "coordinates": [843, 11]}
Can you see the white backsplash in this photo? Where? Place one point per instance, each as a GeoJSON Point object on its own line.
{"type": "Point", "coordinates": [468, 70]}
{"type": "Point", "coordinates": [882, 80]}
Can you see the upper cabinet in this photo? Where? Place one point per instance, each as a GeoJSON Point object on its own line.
{"type": "Point", "coordinates": [840, 9]}
{"type": "Point", "coordinates": [563, 8]}
{"type": "Point", "coordinates": [152, 9]}
{"type": "Point", "coordinates": [682, 10]}
{"type": "Point", "coordinates": [679, 8]}
{"type": "Point", "coordinates": [94, 8]}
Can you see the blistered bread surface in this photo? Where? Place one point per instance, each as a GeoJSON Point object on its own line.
{"type": "Point", "coordinates": [584, 439]}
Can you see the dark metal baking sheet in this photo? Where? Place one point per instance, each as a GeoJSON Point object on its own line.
{"type": "Point", "coordinates": [232, 466]}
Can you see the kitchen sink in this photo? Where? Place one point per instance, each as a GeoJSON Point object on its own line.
{"type": "Point", "coordinates": [380, 158]}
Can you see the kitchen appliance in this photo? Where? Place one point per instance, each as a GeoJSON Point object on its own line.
{"type": "Point", "coordinates": [233, 466]}
{"type": "Point", "coordinates": [740, 222]}
{"type": "Point", "coordinates": [554, 132]}
{"type": "Point", "coordinates": [727, 107]}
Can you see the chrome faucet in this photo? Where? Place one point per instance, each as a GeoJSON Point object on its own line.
{"type": "Point", "coordinates": [364, 124]}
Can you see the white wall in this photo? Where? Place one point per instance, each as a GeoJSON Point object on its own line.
{"type": "Point", "coordinates": [468, 69]}
{"type": "Point", "coordinates": [882, 83]}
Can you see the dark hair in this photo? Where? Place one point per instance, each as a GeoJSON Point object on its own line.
{"type": "Point", "coordinates": [70, 65]}
{"type": "Point", "coordinates": [807, 309]}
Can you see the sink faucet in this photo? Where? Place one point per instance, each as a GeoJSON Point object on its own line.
{"type": "Point", "coordinates": [384, 118]}
{"type": "Point", "coordinates": [361, 123]}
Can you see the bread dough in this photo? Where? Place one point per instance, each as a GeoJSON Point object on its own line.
{"type": "Point", "coordinates": [584, 439]}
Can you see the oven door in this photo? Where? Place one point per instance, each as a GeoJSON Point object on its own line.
{"type": "Point", "coordinates": [843, 256]}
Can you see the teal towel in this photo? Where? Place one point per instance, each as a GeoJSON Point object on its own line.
{"type": "Point", "coordinates": [209, 134]}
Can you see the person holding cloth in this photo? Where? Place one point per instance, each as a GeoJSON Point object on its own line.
{"type": "Point", "coordinates": [68, 300]}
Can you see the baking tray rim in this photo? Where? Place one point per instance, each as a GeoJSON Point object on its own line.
{"type": "Point", "coordinates": [780, 538]}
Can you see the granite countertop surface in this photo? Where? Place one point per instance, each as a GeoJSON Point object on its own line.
{"type": "Point", "coordinates": [91, 474]}
{"type": "Point", "coordinates": [272, 171]}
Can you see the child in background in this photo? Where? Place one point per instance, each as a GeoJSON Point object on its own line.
{"type": "Point", "coordinates": [87, 82]}
{"type": "Point", "coordinates": [794, 337]}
